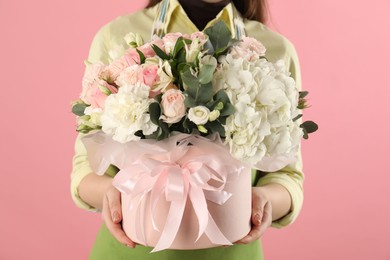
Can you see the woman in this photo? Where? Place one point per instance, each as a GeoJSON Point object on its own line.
{"type": "Point", "coordinates": [277, 197]}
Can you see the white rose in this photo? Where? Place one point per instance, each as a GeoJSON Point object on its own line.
{"type": "Point", "coordinates": [199, 115]}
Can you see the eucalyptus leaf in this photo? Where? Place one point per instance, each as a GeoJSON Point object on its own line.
{"type": "Point", "coordinates": [206, 74]}
{"type": "Point", "coordinates": [222, 96]}
{"type": "Point", "coordinates": [309, 126]}
{"type": "Point", "coordinates": [219, 35]}
{"type": "Point", "coordinates": [78, 109]}
{"type": "Point", "coordinates": [190, 81]}
{"type": "Point", "coordinates": [204, 93]}
{"type": "Point", "coordinates": [189, 101]}
{"type": "Point", "coordinates": [216, 126]}
{"type": "Point", "coordinates": [228, 110]}
{"type": "Point", "coordinates": [303, 94]}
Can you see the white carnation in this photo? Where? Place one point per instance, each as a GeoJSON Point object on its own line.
{"type": "Point", "coordinates": [126, 112]}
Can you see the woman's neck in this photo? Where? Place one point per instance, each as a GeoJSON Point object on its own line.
{"type": "Point", "coordinates": [202, 11]}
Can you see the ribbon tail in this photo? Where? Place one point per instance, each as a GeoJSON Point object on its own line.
{"type": "Point", "coordinates": [156, 193]}
{"type": "Point", "coordinates": [199, 204]}
{"type": "Point", "coordinates": [172, 225]}
{"type": "Point", "coordinates": [134, 205]}
{"type": "Point", "coordinates": [214, 233]}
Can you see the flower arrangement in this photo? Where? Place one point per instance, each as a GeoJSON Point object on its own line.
{"type": "Point", "coordinates": [204, 82]}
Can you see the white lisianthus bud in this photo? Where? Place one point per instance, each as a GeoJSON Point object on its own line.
{"type": "Point", "coordinates": [214, 115]}
{"type": "Point", "coordinates": [219, 106]}
{"type": "Point", "coordinates": [199, 115]}
{"type": "Point", "coordinates": [134, 40]}
{"type": "Point", "coordinates": [202, 129]}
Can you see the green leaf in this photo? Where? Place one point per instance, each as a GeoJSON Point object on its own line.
{"type": "Point", "coordinates": [155, 113]}
{"type": "Point", "coordinates": [216, 126]}
{"type": "Point", "coordinates": [164, 131]}
{"type": "Point", "coordinates": [209, 47]}
{"type": "Point", "coordinates": [222, 96]}
{"type": "Point", "coordinates": [222, 119]}
{"type": "Point", "coordinates": [141, 56]}
{"type": "Point", "coordinates": [206, 74]}
{"type": "Point", "coordinates": [158, 98]}
{"type": "Point", "coordinates": [305, 135]}
{"type": "Point", "coordinates": [160, 53]}
{"type": "Point", "coordinates": [189, 80]}
{"type": "Point", "coordinates": [178, 47]}
{"type": "Point", "coordinates": [228, 110]}
{"type": "Point", "coordinates": [78, 109]}
{"type": "Point", "coordinates": [303, 94]}
{"type": "Point", "coordinates": [224, 50]}
{"type": "Point", "coordinates": [204, 93]}
{"type": "Point", "coordinates": [189, 102]}
{"type": "Point", "coordinates": [297, 117]}
{"type": "Point", "coordinates": [309, 126]}
{"type": "Point", "coordinates": [219, 35]}
{"type": "Point", "coordinates": [181, 56]}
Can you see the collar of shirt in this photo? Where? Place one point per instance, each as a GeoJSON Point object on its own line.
{"type": "Point", "coordinates": [178, 21]}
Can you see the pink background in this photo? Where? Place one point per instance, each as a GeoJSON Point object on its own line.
{"type": "Point", "coordinates": [344, 51]}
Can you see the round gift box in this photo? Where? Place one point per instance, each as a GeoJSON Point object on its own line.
{"type": "Point", "coordinates": [232, 217]}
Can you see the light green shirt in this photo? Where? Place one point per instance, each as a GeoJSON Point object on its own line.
{"type": "Point", "coordinates": [111, 35]}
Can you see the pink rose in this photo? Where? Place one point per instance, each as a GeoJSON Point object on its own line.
{"type": "Point", "coordinates": [94, 95]}
{"type": "Point", "coordinates": [150, 77]}
{"type": "Point", "coordinates": [173, 107]}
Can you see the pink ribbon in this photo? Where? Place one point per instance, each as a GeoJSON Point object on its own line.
{"type": "Point", "coordinates": [156, 168]}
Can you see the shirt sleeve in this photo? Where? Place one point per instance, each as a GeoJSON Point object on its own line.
{"type": "Point", "coordinates": [291, 177]}
{"type": "Point", "coordinates": [80, 163]}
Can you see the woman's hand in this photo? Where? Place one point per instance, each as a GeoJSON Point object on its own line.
{"type": "Point", "coordinates": [261, 216]}
{"type": "Point", "coordinates": [112, 216]}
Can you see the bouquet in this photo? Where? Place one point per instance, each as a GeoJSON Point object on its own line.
{"type": "Point", "coordinates": [206, 86]}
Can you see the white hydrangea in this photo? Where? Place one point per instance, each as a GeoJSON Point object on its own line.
{"type": "Point", "coordinates": [266, 99]}
{"type": "Point", "coordinates": [126, 112]}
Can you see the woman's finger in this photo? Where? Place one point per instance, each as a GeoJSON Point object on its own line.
{"type": "Point", "coordinates": [253, 235]}
{"type": "Point", "coordinates": [115, 228]}
{"type": "Point", "coordinates": [267, 218]}
{"type": "Point", "coordinates": [260, 219]}
{"type": "Point", "coordinates": [114, 204]}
